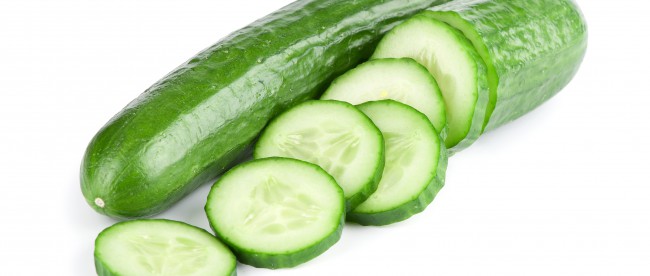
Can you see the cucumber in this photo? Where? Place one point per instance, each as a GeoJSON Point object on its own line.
{"type": "Point", "coordinates": [532, 49]}
{"type": "Point", "coordinates": [416, 161]}
{"type": "Point", "coordinates": [403, 80]}
{"type": "Point", "coordinates": [454, 63]}
{"type": "Point", "coordinates": [195, 122]}
{"type": "Point", "coordinates": [334, 135]}
{"type": "Point", "coordinates": [161, 247]}
{"type": "Point", "coordinates": [276, 212]}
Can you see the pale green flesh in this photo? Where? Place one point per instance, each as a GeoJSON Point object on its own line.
{"type": "Point", "coordinates": [446, 54]}
{"type": "Point", "coordinates": [275, 206]}
{"type": "Point", "coordinates": [159, 247]}
{"type": "Point", "coordinates": [402, 80]}
{"type": "Point", "coordinates": [331, 134]}
{"type": "Point", "coordinates": [412, 150]}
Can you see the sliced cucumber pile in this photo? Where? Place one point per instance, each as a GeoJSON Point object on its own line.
{"type": "Point", "coordinates": [454, 63]}
{"type": "Point", "coordinates": [276, 212]}
{"type": "Point", "coordinates": [403, 80]}
{"type": "Point", "coordinates": [160, 247]}
{"type": "Point", "coordinates": [334, 135]}
{"type": "Point", "coordinates": [416, 160]}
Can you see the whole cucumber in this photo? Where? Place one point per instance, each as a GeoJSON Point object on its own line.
{"type": "Point", "coordinates": [196, 121]}
{"type": "Point", "coordinates": [532, 49]}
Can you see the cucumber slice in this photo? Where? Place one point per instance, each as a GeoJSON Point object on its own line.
{"type": "Point", "coordinates": [403, 80]}
{"type": "Point", "coordinates": [161, 247]}
{"type": "Point", "coordinates": [416, 161]}
{"type": "Point", "coordinates": [454, 63]}
{"type": "Point", "coordinates": [334, 135]}
{"type": "Point", "coordinates": [277, 212]}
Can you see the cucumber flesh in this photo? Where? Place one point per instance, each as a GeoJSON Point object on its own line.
{"type": "Point", "coordinates": [416, 161]}
{"type": "Point", "coordinates": [454, 63]}
{"type": "Point", "coordinates": [334, 135]}
{"type": "Point", "coordinates": [276, 212]}
{"type": "Point", "coordinates": [532, 49]}
{"type": "Point", "coordinates": [161, 247]}
{"type": "Point", "coordinates": [403, 80]}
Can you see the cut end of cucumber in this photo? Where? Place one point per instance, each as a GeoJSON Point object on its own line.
{"type": "Point", "coordinates": [99, 202]}
{"type": "Point", "coordinates": [161, 247]}
{"type": "Point", "coordinates": [334, 135]}
{"type": "Point", "coordinates": [403, 80]}
{"type": "Point", "coordinates": [451, 59]}
{"type": "Point", "coordinates": [276, 212]}
{"type": "Point", "coordinates": [466, 28]}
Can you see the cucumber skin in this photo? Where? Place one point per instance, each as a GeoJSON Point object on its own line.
{"type": "Point", "coordinates": [195, 122]}
{"type": "Point", "coordinates": [273, 261]}
{"type": "Point", "coordinates": [289, 259]}
{"type": "Point", "coordinates": [103, 269]}
{"type": "Point", "coordinates": [410, 208]}
{"type": "Point", "coordinates": [415, 206]}
{"type": "Point", "coordinates": [532, 48]}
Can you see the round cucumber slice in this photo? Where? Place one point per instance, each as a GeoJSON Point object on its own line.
{"type": "Point", "coordinates": [414, 172]}
{"type": "Point", "coordinates": [454, 63]}
{"type": "Point", "coordinates": [400, 79]}
{"type": "Point", "coordinates": [334, 135]}
{"type": "Point", "coordinates": [161, 247]}
{"type": "Point", "coordinates": [276, 212]}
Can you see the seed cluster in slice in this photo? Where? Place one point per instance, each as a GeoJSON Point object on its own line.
{"type": "Point", "coordinates": [414, 172]}
{"type": "Point", "coordinates": [400, 79]}
{"type": "Point", "coordinates": [276, 212]}
{"type": "Point", "coordinates": [161, 247]}
{"type": "Point", "coordinates": [454, 63]}
{"type": "Point", "coordinates": [334, 135]}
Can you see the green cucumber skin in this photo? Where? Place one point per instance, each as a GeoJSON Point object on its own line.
{"type": "Point", "coordinates": [103, 270]}
{"type": "Point", "coordinates": [275, 261]}
{"type": "Point", "coordinates": [532, 48]}
{"type": "Point", "coordinates": [272, 261]}
{"type": "Point", "coordinates": [195, 122]}
{"type": "Point", "coordinates": [413, 207]}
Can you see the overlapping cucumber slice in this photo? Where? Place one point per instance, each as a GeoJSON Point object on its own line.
{"type": "Point", "coordinates": [416, 161]}
{"type": "Point", "coordinates": [160, 247]}
{"type": "Point", "coordinates": [334, 135]}
{"type": "Point", "coordinates": [401, 79]}
{"type": "Point", "coordinates": [454, 63]}
{"type": "Point", "coordinates": [277, 212]}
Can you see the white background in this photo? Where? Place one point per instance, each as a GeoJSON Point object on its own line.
{"type": "Point", "coordinates": [564, 190]}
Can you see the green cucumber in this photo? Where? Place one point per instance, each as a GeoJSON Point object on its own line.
{"type": "Point", "coordinates": [334, 135]}
{"type": "Point", "coordinates": [416, 161]}
{"type": "Point", "coordinates": [532, 49]}
{"type": "Point", "coordinates": [454, 63]}
{"type": "Point", "coordinates": [403, 80]}
{"type": "Point", "coordinates": [161, 247]}
{"type": "Point", "coordinates": [276, 212]}
{"type": "Point", "coordinates": [195, 122]}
